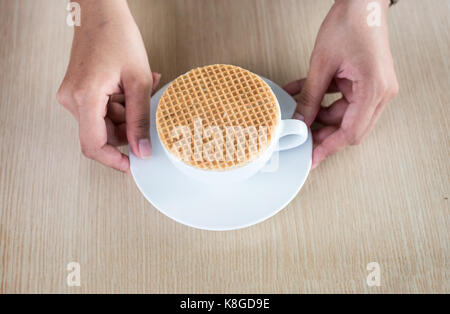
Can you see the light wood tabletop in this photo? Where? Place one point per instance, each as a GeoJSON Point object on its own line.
{"type": "Point", "coordinates": [383, 201]}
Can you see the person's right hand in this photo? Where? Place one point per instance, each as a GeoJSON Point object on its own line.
{"type": "Point", "coordinates": [109, 58]}
{"type": "Point", "coordinates": [353, 58]}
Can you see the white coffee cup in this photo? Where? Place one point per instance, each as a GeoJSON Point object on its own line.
{"type": "Point", "coordinates": [288, 134]}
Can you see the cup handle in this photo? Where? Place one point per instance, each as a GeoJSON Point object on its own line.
{"type": "Point", "coordinates": [293, 133]}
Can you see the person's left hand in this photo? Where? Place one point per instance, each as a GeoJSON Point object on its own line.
{"type": "Point", "coordinates": [354, 59]}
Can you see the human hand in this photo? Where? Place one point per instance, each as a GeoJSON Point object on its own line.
{"type": "Point", "coordinates": [354, 59]}
{"type": "Point", "coordinates": [108, 58]}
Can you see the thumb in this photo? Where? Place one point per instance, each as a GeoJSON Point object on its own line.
{"type": "Point", "coordinates": [156, 80]}
{"type": "Point", "coordinates": [137, 90]}
{"type": "Point", "coordinates": [319, 77]}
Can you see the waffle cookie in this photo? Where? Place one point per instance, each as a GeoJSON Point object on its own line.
{"type": "Point", "coordinates": [209, 117]}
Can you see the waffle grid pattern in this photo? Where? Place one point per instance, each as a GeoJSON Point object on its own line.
{"type": "Point", "coordinates": [214, 96]}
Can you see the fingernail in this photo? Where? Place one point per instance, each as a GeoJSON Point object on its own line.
{"type": "Point", "coordinates": [315, 161]}
{"type": "Point", "coordinates": [145, 148]}
{"type": "Point", "coordinates": [298, 116]}
{"type": "Point", "coordinates": [125, 165]}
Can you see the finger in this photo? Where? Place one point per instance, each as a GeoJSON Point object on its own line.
{"type": "Point", "coordinates": [329, 145]}
{"type": "Point", "coordinates": [319, 78]}
{"type": "Point", "coordinates": [345, 86]}
{"type": "Point", "coordinates": [116, 112]}
{"type": "Point", "coordinates": [117, 133]}
{"type": "Point", "coordinates": [117, 98]}
{"type": "Point", "coordinates": [295, 87]}
{"type": "Point", "coordinates": [93, 137]}
{"type": "Point", "coordinates": [120, 98]}
{"type": "Point", "coordinates": [320, 134]}
{"type": "Point", "coordinates": [333, 114]}
{"type": "Point", "coordinates": [333, 88]}
{"type": "Point", "coordinates": [156, 81]}
{"type": "Point", "coordinates": [113, 158]}
{"type": "Point", "coordinates": [352, 130]}
{"type": "Point", "coordinates": [376, 115]}
{"type": "Point", "coordinates": [137, 111]}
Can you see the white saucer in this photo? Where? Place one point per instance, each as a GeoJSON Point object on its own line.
{"type": "Point", "coordinates": [226, 207]}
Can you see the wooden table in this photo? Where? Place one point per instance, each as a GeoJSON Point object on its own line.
{"type": "Point", "coordinates": [383, 201]}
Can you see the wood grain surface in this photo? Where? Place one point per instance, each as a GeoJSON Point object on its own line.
{"type": "Point", "coordinates": [383, 201]}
